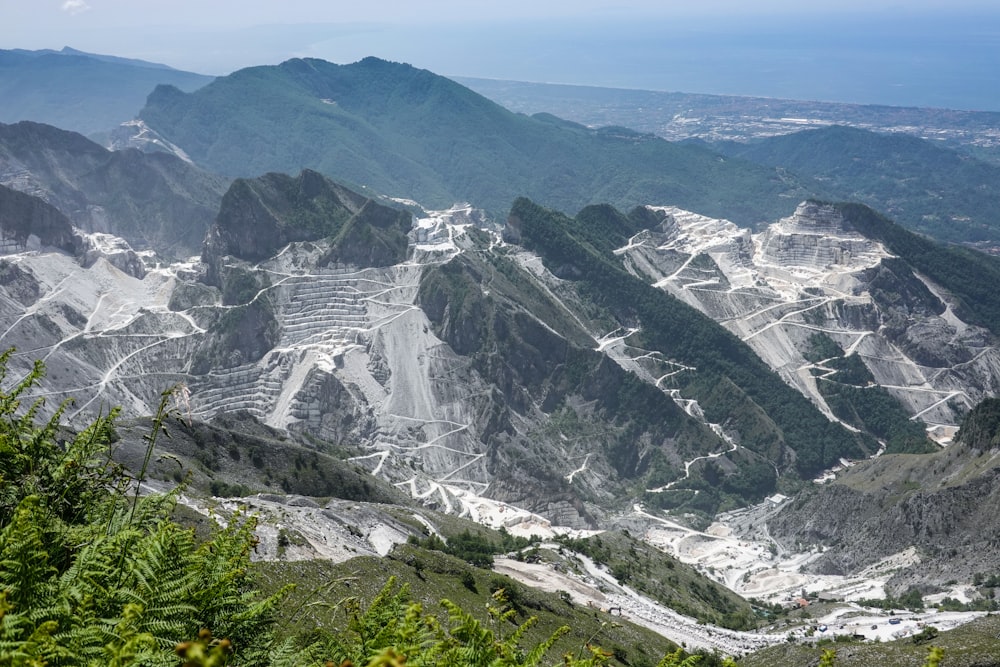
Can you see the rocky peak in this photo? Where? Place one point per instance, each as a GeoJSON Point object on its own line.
{"type": "Point", "coordinates": [153, 201]}
{"type": "Point", "coordinates": [817, 218]}
{"type": "Point", "coordinates": [817, 237]}
{"type": "Point", "coordinates": [114, 250]}
{"type": "Point", "coordinates": [260, 216]}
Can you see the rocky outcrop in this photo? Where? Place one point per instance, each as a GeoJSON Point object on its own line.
{"type": "Point", "coordinates": [815, 237]}
{"type": "Point", "coordinates": [943, 504]}
{"type": "Point", "coordinates": [452, 380]}
{"type": "Point", "coordinates": [28, 223]}
{"type": "Point", "coordinates": [260, 216]}
{"type": "Point", "coordinates": [951, 522]}
{"type": "Point", "coordinates": [18, 284]}
{"type": "Point", "coordinates": [114, 250]}
{"type": "Point", "coordinates": [450, 365]}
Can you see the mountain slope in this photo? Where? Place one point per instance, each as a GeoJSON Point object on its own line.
{"type": "Point", "coordinates": [410, 133]}
{"type": "Point", "coordinates": [924, 186]}
{"type": "Point", "coordinates": [260, 216]}
{"type": "Point", "coordinates": [452, 365]}
{"type": "Point", "coordinates": [79, 91]}
{"type": "Point", "coordinates": [876, 325]}
{"type": "Point", "coordinates": [968, 276]}
{"type": "Point", "coordinates": [152, 200]}
{"type": "Point", "coordinates": [553, 372]}
{"type": "Point", "coordinates": [944, 504]}
{"type": "Point", "coordinates": [730, 382]}
{"type": "Point", "coordinates": [27, 221]}
{"type": "Point", "coordinates": [546, 380]}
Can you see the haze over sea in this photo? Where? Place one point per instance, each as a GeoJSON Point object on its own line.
{"type": "Point", "coordinates": [930, 60]}
{"type": "Point", "coordinates": [918, 54]}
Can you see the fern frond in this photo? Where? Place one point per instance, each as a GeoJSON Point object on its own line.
{"type": "Point", "coordinates": [34, 649]}
{"type": "Point", "coordinates": [9, 402]}
{"type": "Point", "coordinates": [679, 659]}
{"type": "Point", "coordinates": [536, 654]}
{"type": "Point", "coordinates": [25, 571]}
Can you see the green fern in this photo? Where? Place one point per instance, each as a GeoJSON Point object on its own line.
{"type": "Point", "coordinates": [92, 574]}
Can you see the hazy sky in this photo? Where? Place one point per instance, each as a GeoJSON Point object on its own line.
{"type": "Point", "coordinates": [812, 50]}
{"type": "Point", "coordinates": [41, 15]}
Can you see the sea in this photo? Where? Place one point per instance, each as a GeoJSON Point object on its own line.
{"type": "Point", "coordinates": [903, 58]}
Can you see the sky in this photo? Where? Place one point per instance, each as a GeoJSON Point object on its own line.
{"type": "Point", "coordinates": [919, 52]}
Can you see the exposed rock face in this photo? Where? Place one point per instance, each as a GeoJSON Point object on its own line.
{"type": "Point", "coordinates": [387, 351]}
{"type": "Point", "coordinates": [18, 284]}
{"type": "Point", "coordinates": [113, 249]}
{"type": "Point", "coordinates": [815, 238]}
{"type": "Point", "coordinates": [813, 273]}
{"type": "Point", "coordinates": [136, 134]}
{"type": "Point", "coordinates": [448, 364]}
{"type": "Point", "coordinates": [943, 504]}
{"type": "Point", "coordinates": [28, 223]}
{"type": "Point", "coordinates": [157, 202]}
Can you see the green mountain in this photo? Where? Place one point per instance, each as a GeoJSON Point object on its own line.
{"type": "Point", "coordinates": [260, 216]}
{"type": "Point", "coordinates": [80, 91]}
{"type": "Point", "coordinates": [410, 133]}
{"type": "Point", "coordinates": [925, 187]}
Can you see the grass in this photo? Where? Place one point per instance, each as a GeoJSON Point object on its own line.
{"type": "Point", "coordinates": [322, 586]}
{"type": "Point", "coordinates": [972, 645]}
{"type": "Point", "coordinates": [905, 473]}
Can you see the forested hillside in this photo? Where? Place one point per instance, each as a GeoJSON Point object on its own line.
{"type": "Point", "coordinates": [924, 186]}
{"type": "Point", "coordinates": [409, 133]}
{"type": "Point", "coordinates": [732, 384]}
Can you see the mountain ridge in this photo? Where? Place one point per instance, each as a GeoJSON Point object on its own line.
{"type": "Point", "coordinates": [79, 91]}
{"type": "Point", "coordinates": [928, 188]}
{"type": "Point", "coordinates": [558, 333]}
{"type": "Point", "coordinates": [408, 132]}
{"type": "Point", "coordinates": [532, 385]}
{"type": "Point", "coordinates": [939, 503]}
{"type": "Point", "coordinates": [637, 371]}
